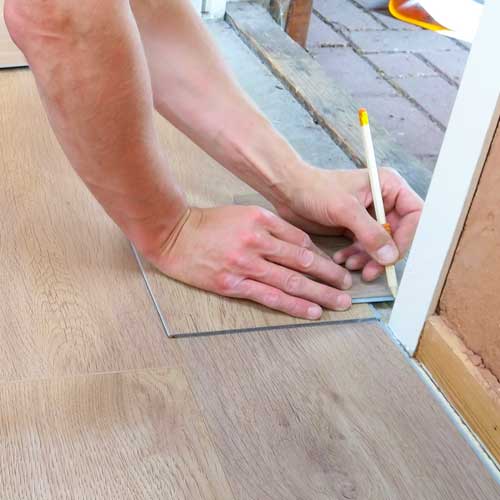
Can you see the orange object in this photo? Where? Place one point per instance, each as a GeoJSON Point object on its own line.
{"type": "Point", "coordinates": [388, 228]}
{"type": "Point", "coordinates": [412, 12]}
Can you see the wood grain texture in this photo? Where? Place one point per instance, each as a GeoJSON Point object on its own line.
{"type": "Point", "coordinates": [186, 309]}
{"type": "Point", "coordinates": [328, 412]}
{"type": "Point", "coordinates": [462, 377]}
{"type": "Point", "coordinates": [330, 105]}
{"type": "Point", "coordinates": [298, 19]}
{"type": "Point", "coordinates": [124, 436]}
{"type": "Point", "coordinates": [72, 299]}
{"type": "Point", "coordinates": [10, 55]}
{"type": "Point", "coordinates": [361, 291]}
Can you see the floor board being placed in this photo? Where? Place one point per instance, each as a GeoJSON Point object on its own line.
{"type": "Point", "coordinates": [328, 412]}
{"type": "Point", "coordinates": [72, 298]}
{"type": "Point", "coordinates": [188, 310]}
{"type": "Point", "coordinates": [124, 436]}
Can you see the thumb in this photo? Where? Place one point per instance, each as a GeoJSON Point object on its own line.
{"type": "Point", "coordinates": [372, 235]}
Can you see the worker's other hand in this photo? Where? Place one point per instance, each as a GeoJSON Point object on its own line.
{"type": "Point", "coordinates": [251, 253]}
{"type": "Point", "coordinates": [340, 202]}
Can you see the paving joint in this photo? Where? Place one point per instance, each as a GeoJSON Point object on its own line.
{"type": "Point", "coordinates": [382, 75]}
{"type": "Point", "coordinates": [436, 68]}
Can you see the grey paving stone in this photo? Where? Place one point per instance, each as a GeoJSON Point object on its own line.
{"type": "Point", "coordinates": [352, 72]}
{"type": "Point", "coordinates": [408, 126]}
{"type": "Point", "coordinates": [434, 94]}
{"type": "Point", "coordinates": [450, 63]}
{"type": "Point", "coordinates": [346, 15]}
{"type": "Point", "coordinates": [402, 41]}
{"type": "Point", "coordinates": [321, 34]}
{"type": "Point", "coordinates": [401, 65]}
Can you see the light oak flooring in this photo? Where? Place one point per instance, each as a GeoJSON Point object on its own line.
{"type": "Point", "coordinates": [96, 402]}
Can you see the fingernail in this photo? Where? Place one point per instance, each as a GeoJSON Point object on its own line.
{"type": "Point", "coordinates": [387, 254]}
{"type": "Point", "coordinates": [343, 301]}
{"type": "Point", "coordinates": [347, 282]}
{"type": "Point", "coordinates": [314, 312]}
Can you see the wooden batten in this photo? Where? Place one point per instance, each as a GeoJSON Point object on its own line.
{"type": "Point", "coordinates": [459, 373]}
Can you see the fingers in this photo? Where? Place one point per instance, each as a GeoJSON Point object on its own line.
{"type": "Point", "coordinates": [306, 261]}
{"type": "Point", "coordinates": [283, 230]}
{"type": "Point", "coordinates": [277, 299]}
{"type": "Point", "coordinates": [293, 283]}
{"type": "Point", "coordinates": [340, 256]}
{"type": "Point", "coordinates": [372, 271]}
{"type": "Point", "coordinates": [370, 234]}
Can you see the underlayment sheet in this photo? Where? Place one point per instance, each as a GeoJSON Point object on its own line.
{"type": "Point", "coordinates": [185, 309]}
{"type": "Point", "coordinates": [10, 55]}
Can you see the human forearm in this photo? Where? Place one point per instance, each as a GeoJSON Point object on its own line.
{"type": "Point", "coordinates": [92, 74]}
{"type": "Point", "coordinates": [194, 90]}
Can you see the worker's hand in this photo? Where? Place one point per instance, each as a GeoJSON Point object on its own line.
{"type": "Point", "coordinates": [340, 202]}
{"type": "Point", "coordinates": [251, 253]}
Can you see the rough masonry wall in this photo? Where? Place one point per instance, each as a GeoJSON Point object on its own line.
{"type": "Point", "coordinates": [470, 302]}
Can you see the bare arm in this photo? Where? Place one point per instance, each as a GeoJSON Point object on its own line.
{"type": "Point", "coordinates": [92, 75]}
{"type": "Point", "coordinates": [195, 91]}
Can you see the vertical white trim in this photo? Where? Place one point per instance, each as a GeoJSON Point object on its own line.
{"type": "Point", "coordinates": [198, 5]}
{"type": "Point", "coordinates": [214, 9]}
{"type": "Point", "coordinates": [461, 159]}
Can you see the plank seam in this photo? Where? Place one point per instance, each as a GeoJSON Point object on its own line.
{"type": "Point", "coordinates": [163, 321]}
{"type": "Point", "coordinates": [258, 329]}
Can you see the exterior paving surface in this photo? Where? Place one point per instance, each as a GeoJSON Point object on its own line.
{"type": "Point", "coordinates": [406, 77]}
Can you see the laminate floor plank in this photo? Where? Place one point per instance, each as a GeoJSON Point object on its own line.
{"type": "Point", "coordinates": [10, 55]}
{"type": "Point", "coordinates": [129, 435]}
{"type": "Point", "coordinates": [328, 412]}
{"type": "Point", "coordinates": [187, 310]}
{"type": "Point", "coordinates": [72, 298]}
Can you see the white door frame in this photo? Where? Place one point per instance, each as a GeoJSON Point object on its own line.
{"type": "Point", "coordinates": [214, 9]}
{"type": "Point", "coordinates": [461, 159]}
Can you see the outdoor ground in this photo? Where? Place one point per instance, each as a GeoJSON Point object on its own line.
{"type": "Point", "coordinates": [406, 77]}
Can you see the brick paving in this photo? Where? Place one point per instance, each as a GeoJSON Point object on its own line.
{"type": "Point", "coordinates": [405, 76]}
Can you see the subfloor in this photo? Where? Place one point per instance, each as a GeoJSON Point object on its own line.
{"type": "Point", "coordinates": [406, 77]}
{"type": "Point", "coordinates": [97, 402]}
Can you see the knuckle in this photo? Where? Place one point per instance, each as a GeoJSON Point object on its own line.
{"type": "Point", "coordinates": [225, 283]}
{"type": "Point", "coordinates": [251, 239]}
{"type": "Point", "coordinates": [258, 214]}
{"type": "Point", "coordinates": [238, 260]}
{"type": "Point", "coordinates": [305, 258]}
{"type": "Point", "coordinates": [307, 241]}
{"type": "Point", "coordinates": [271, 299]}
{"type": "Point", "coordinates": [293, 283]}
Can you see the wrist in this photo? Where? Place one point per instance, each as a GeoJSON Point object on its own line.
{"type": "Point", "coordinates": [149, 233]}
{"type": "Point", "coordinates": [260, 156]}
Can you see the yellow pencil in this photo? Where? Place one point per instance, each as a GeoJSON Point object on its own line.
{"type": "Point", "coordinates": [378, 201]}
